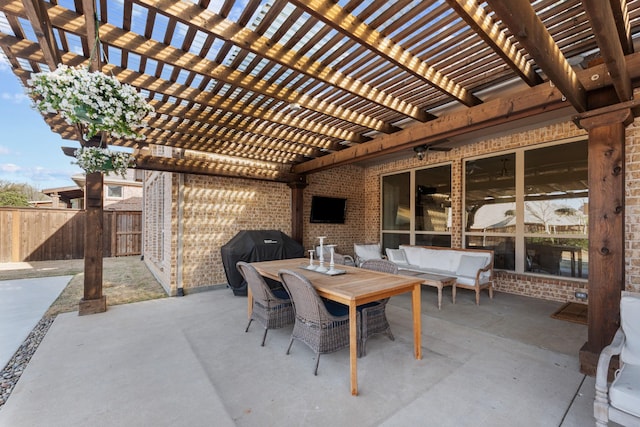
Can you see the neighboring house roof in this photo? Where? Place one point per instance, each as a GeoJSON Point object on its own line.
{"type": "Point", "coordinates": [497, 215]}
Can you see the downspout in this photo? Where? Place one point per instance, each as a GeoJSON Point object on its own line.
{"type": "Point", "coordinates": [179, 263]}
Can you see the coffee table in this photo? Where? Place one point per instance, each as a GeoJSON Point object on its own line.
{"type": "Point", "coordinates": [437, 280]}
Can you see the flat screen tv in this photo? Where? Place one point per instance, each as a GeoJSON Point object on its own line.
{"type": "Point", "coordinates": [328, 210]}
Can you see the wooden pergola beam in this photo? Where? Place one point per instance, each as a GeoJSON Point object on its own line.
{"type": "Point", "coordinates": [621, 19]}
{"type": "Point", "coordinates": [130, 42]}
{"type": "Point", "coordinates": [217, 26]}
{"type": "Point", "coordinates": [335, 16]}
{"type": "Point", "coordinates": [475, 16]}
{"type": "Point", "coordinates": [37, 14]}
{"type": "Point", "coordinates": [606, 33]}
{"type": "Point", "coordinates": [29, 50]}
{"type": "Point", "coordinates": [205, 167]}
{"type": "Point", "coordinates": [527, 103]}
{"type": "Point", "coordinates": [526, 26]}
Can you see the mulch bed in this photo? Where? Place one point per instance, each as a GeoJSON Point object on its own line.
{"type": "Point", "coordinates": [572, 312]}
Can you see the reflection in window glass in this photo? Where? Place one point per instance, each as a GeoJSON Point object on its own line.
{"type": "Point", "coordinates": [504, 252]}
{"type": "Point", "coordinates": [556, 190]}
{"type": "Point", "coordinates": [556, 212]}
{"type": "Point", "coordinates": [490, 190]}
{"type": "Point", "coordinates": [393, 240]}
{"type": "Point", "coordinates": [114, 191]}
{"type": "Point", "coordinates": [433, 199]}
{"type": "Point", "coordinates": [396, 202]}
{"type": "Point", "coordinates": [559, 257]}
{"type": "Point", "coordinates": [443, 240]}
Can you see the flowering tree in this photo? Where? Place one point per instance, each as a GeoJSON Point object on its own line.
{"type": "Point", "coordinates": [93, 99]}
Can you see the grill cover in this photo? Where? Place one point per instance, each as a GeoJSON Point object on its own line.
{"type": "Point", "coordinates": [254, 246]}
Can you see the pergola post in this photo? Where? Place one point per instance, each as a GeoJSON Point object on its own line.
{"type": "Point", "coordinates": [93, 300]}
{"type": "Point", "coordinates": [297, 205]}
{"type": "Point", "coordinates": [606, 229]}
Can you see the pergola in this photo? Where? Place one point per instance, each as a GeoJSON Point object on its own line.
{"type": "Point", "coordinates": [277, 89]}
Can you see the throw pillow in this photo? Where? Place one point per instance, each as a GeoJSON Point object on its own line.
{"type": "Point", "coordinates": [397, 256]}
{"type": "Point", "coordinates": [469, 265]}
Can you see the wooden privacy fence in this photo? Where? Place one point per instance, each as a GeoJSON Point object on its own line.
{"type": "Point", "coordinates": [28, 234]}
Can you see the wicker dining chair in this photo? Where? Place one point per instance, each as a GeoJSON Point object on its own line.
{"type": "Point", "coordinates": [271, 307]}
{"type": "Point", "coordinates": [321, 325]}
{"type": "Point", "coordinates": [373, 315]}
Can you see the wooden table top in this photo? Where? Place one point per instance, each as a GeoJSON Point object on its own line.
{"type": "Point", "coordinates": [356, 284]}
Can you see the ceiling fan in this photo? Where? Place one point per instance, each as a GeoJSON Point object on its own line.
{"type": "Point", "coordinates": [421, 150]}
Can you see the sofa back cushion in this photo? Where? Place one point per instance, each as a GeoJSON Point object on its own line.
{"type": "Point", "coordinates": [442, 260]}
{"type": "Point", "coordinates": [367, 251]}
{"type": "Point", "coordinates": [630, 323]}
{"type": "Point", "coordinates": [397, 256]}
{"type": "Point", "coordinates": [469, 265]}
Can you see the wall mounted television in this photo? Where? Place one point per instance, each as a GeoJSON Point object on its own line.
{"type": "Point", "coordinates": [328, 210]}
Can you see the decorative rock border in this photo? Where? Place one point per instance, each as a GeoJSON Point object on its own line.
{"type": "Point", "coordinates": [15, 367]}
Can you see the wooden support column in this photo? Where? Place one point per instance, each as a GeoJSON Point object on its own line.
{"type": "Point", "coordinates": [93, 300]}
{"type": "Point", "coordinates": [606, 228]}
{"type": "Point", "coordinates": [297, 212]}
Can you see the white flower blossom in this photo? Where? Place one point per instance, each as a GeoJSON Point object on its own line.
{"type": "Point", "coordinates": [98, 101]}
{"type": "Point", "coordinates": [96, 159]}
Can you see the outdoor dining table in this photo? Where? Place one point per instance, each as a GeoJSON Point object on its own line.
{"type": "Point", "coordinates": [355, 287]}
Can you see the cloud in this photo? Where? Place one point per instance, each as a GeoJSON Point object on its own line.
{"type": "Point", "coordinates": [4, 150]}
{"type": "Point", "coordinates": [9, 167]}
{"type": "Point", "coordinates": [15, 98]}
{"type": "Point", "coordinates": [38, 176]}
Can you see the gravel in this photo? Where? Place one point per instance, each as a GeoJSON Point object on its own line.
{"type": "Point", "coordinates": [13, 370]}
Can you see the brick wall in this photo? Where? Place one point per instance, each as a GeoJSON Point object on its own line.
{"type": "Point", "coordinates": [632, 206]}
{"type": "Point", "coordinates": [157, 231]}
{"type": "Point", "coordinates": [344, 182]}
{"type": "Point", "coordinates": [524, 284]}
{"type": "Point", "coordinates": [215, 209]}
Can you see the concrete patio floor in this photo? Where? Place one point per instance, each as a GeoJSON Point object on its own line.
{"type": "Point", "coordinates": [187, 362]}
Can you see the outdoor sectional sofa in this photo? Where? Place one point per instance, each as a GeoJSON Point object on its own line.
{"type": "Point", "coordinates": [471, 268]}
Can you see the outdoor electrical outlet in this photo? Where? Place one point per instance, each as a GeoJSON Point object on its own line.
{"type": "Point", "coordinates": [581, 295]}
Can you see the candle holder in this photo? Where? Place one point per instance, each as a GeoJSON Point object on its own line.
{"type": "Point", "coordinates": [321, 268]}
{"type": "Point", "coordinates": [311, 266]}
{"type": "Point", "coordinates": [332, 265]}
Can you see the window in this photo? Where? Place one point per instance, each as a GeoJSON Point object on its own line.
{"type": "Point", "coordinates": [530, 207]}
{"type": "Point", "coordinates": [114, 191]}
{"type": "Point", "coordinates": [416, 207]}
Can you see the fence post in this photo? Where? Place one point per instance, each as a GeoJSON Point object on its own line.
{"type": "Point", "coordinates": [16, 243]}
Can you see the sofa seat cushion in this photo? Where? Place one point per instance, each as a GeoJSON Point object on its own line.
{"type": "Point", "coordinates": [624, 392]}
{"type": "Point", "coordinates": [418, 269]}
{"type": "Point", "coordinates": [471, 281]}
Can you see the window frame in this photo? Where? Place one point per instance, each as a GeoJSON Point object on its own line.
{"type": "Point", "coordinates": [412, 232]}
{"type": "Point", "coordinates": [519, 235]}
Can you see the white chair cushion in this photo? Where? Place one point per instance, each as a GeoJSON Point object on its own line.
{"type": "Point", "coordinates": [367, 251]}
{"type": "Point", "coordinates": [397, 256]}
{"type": "Point", "coordinates": [630, 322]}
{"type": "Point", "coordinates": [412, 253]}
{"type": "Point", "coordinates": [434, 259]}
{"type": "Point", "coordinates": [624, 392]}
{"type": "Point", "coordinates": [469, 265]}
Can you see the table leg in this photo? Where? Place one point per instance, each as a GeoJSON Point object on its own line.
{"type": "Point", "coordinates": [353, 347]}
{"type": "Point", "coordinates": [440, 296]}
{"type": "Point", "coordinates": [249, 302]}
{"type": "Point", "coordinates": [417, 321]}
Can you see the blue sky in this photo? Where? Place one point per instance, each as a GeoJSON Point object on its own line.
{"type": "Point", "coordinates": [29, 151]}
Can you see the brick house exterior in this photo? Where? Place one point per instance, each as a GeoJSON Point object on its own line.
{"type": "Point", "coordinates": [199, 214]}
